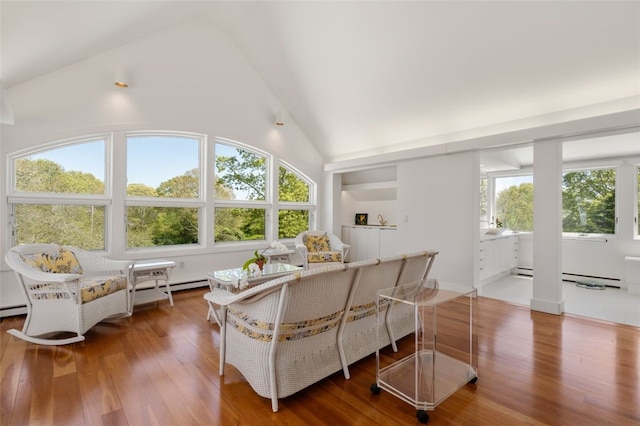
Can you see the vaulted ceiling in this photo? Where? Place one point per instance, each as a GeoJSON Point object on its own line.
{"type": "Point", "coordinates": [371, 77]}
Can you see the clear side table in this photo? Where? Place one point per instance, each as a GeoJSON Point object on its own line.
{"type": "Point", "coordinates": [151, 270]}
{"type": "Point", "coordinates": [444, 358]}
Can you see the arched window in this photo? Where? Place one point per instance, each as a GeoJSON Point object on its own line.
{"type": "Point", "coordinates": [59, 194]}
{"type": "Point", "coordinates": [242, 199]}
{"type": "Point", "coordinates": [295, 208]}
{"type": "Point", "coordinates": [133, 191]}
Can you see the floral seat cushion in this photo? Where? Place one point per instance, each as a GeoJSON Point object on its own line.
{"type": "Point", "coordinates": [91, 288]}
{"type": "Point", "coordinates": [324, 256]}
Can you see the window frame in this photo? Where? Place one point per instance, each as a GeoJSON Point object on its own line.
{"type": "Point", "coordinates": [116, 201]}
{"type": "Point", "coordinates": [198, 203]}
{"type": "Point", "coordinates": [567, 168]}
{"type": "Point", "coordinates": [267, 204]}
{"type": "Point", "coordinates": [15, 197]}
{"type": "Point", "coordinates": [309, 206]}
{"type": "Point", "coordinates": [590, 167]}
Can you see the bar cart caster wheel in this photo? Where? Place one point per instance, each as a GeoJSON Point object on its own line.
{"type": "Point", "coordinates": [473, 381]}
{"type": "Point", "coordinates": [422, 416]}
{"type": "Point", "coordinates": [375, 389]}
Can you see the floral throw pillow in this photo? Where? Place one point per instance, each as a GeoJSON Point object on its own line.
{"type": "Point", "coordinates": [61, 261]}
{"type": "Point", "coordinates": [316, 242]}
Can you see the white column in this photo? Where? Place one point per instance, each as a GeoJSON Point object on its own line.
{"type": "Point", "coordinates": [547, 227]}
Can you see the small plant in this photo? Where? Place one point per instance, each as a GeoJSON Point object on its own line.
{"type": "Point", "coordinates": [258, 258]}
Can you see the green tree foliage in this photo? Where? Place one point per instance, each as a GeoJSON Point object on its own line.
{"type": "Point", "coordinates": [514, 207]}
{"type": "Point", "coordinates": [184, 186]}
{"type": "Point", "coordinates": [161, 226]}
{"type": "Point", "coordinates": [589, 201]}
{"type": "Point", "coordinates": [79, 225]}
{"type": "Point", "coordinates": [244, 172]}
{"type": "Point", "coordinates": [147, 226]}
{"type": "Point", "coordinates": [292, 222]}
{"type": "Point", "coordinates": [292, 189]}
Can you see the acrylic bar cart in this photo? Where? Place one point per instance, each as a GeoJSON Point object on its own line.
{"type": "Point", "coordinates": [444, 358]}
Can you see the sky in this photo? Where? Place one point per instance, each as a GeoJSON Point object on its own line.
{"type": "Point", "coordinates": [151, 160]}
{"type": "Point", "coordinates": [507, 182]}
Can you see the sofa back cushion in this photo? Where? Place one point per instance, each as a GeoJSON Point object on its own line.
{"type": "Point", "coordinates": [60, 261]}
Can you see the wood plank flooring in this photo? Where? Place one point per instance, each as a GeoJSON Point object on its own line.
{"type": "Point", "coordinates": [160, 367]}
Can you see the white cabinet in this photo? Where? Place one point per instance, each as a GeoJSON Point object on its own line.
{"type": "Point", "coordinates": [388, 245]}
{"type": "Point", "coordinates": [497, 256]}
{"type": "Point", "coordinates": [369, 242]}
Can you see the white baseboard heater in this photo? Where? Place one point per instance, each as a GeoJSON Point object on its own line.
{"type": "Point", "coordinates": [579, 278]}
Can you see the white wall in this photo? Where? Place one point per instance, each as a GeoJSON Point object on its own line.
{"type": "Point", "coordinates": [438, 201]}
{"type": "Point", "coordinates": [191, 78]}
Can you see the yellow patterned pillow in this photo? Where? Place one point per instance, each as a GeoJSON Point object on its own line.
{"type": "Point", "coordinates": [316, 242]}
{"type": "Point", "coordinates": [61, 261]}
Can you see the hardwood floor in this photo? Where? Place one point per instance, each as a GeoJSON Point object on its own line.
{"type": "Point", "coordinates": [161, 367]}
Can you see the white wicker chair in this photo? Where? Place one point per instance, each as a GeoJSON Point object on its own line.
{"type": "Point", "coordinates": [67, 290]}
{"type": "Point", "coordinates": [310, 246]}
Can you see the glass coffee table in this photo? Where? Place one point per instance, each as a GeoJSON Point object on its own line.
{"type": "Point", "coordinates": [230, 279]}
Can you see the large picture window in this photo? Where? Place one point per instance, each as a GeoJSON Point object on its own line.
{"type": "Point", "coordinates": [163, 201]}
{"type": "Point", "coordinates": [152, 193]}
{"type": "Point", "coordinates": [58, 195]}
{"type": "Point", "coordinates": [588, 202]}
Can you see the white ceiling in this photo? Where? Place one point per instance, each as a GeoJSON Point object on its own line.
{"type": "Point", "coordinates": [369, 77]}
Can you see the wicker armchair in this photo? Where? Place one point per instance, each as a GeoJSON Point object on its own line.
{"type": "Point", "coordinates": [67, 290]}
{"type": "Point", "coordinates": [320, 248]}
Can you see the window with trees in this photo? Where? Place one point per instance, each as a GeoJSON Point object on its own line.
{"type": "Point", "coordinates": [67, 192]}
{"type": "Point", "coordinates": [514, 203]}
{"type": "Point", "coordinates": [241, 195]}
{"type": "Point", "coordinates": [589, 201]}
{"type": "Point", "coordinates": [294, 197]}
{"type": "Point", "coordinates": [163, 203]}
{"type": "Point", "coordinates": [58, 194]}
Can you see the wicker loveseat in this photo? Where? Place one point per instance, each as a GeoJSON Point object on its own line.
{"type": "Point", "coordinates": [67, 290]}
{"type": "Point", "coordinates": [288, 333]}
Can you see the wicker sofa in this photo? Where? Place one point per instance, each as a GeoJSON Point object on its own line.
{"type": "Point", "coordinates": [288, 333]}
